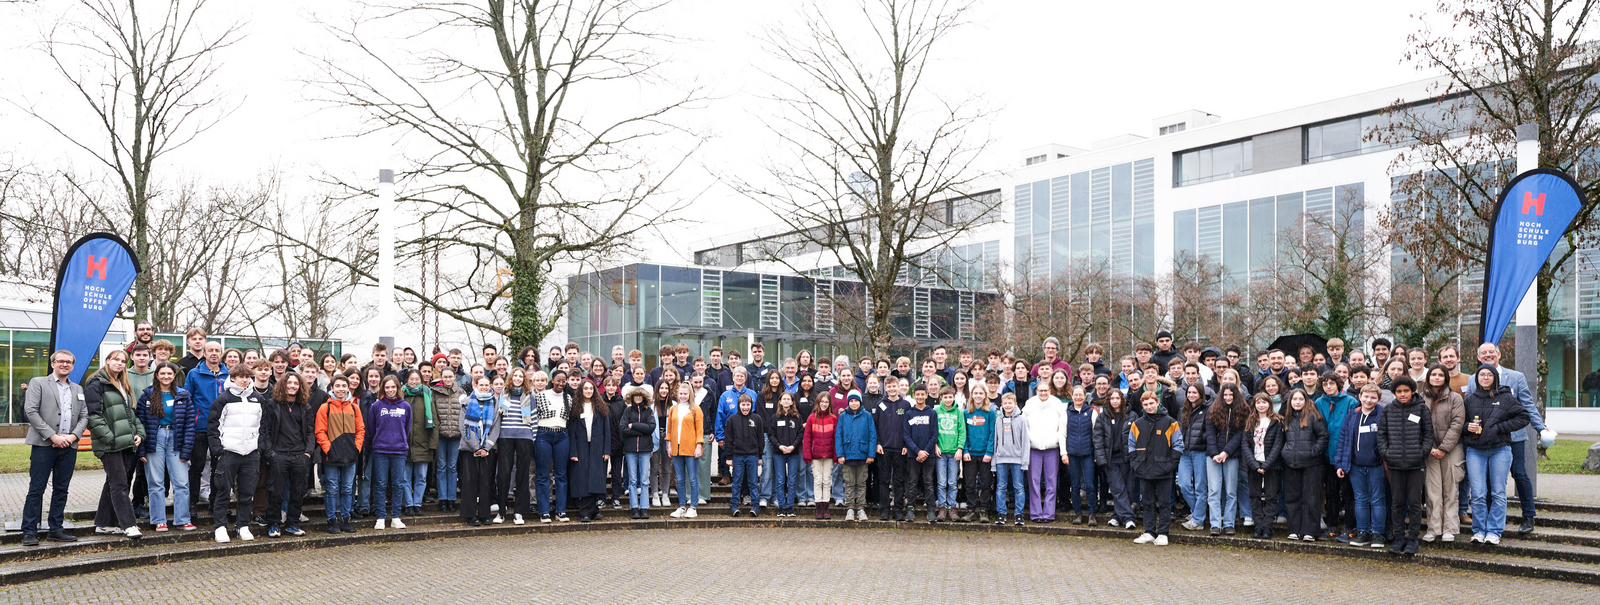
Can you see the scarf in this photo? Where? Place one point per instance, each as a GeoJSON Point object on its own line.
{"type": "Point", "coordinates": [427, 402]}
{"type": "Point", "coordinates": [479, 414]}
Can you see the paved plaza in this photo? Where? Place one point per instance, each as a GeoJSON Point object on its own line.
{"type": "Point", "coordinates": [789, 565]}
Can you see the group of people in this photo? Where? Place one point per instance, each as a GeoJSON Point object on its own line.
{"type": "Point", "coordinates": [1392, 447]}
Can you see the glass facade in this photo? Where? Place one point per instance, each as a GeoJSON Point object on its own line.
{"type": "Point", "coordinates": [1247, 236]}
{"type": "Point", "coordinates": [685, 304]}
{"type": "Point", "coordinates": [1212, 163]}
{"type": "Point", "coordinates": [1106, 214]}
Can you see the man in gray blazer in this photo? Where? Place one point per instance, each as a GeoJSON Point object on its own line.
{"type": "Point", "coordinates": [56, 416]}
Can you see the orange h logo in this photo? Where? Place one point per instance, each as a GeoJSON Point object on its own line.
{"type": "Point", "coordinates": [1537, 204]}
{"type": "Point", "coordinates": [100, 266]}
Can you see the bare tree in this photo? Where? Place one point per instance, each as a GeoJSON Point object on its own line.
{"type": "Point", "coordinates": [41, 214]}
{"type": "Point", "coordinates": [1506, 64]}
{"type": "Point", "coordinates": [1207, 303]}
{"type": "Point", "coordinates": [1076, 305]}
{"type": "Point", "coordinates": [524, 177]}
{"type": "Point", "coordinates": [877, 168]}
{"type": "Point", "coordinates": [145, 75]}
{"type": "Point", "coordinates": [1326, 279]}
{"type": "Point", "coordinates": [311, 299]}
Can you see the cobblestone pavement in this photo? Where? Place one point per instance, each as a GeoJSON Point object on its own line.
{"type": "Point", "coordinates": [787, 565]}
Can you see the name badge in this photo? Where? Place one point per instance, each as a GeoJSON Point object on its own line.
{"type": "Point", "coordinates": [1368, 428]}
{"type": "Point", "coordinates": [769, 405]}
{"type": "Point", "coordinates": [1414, 418]}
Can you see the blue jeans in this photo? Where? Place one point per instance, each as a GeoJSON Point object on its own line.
{"type": "Point", "coordinates": [838, 484]}
{"type": "Point", "coordinates": [448, 455]}
{"type": "Point", "coordinates": [43, 462]}
{"type": "Point", "coordinates": [1372, 503]}
{"type": "Point", "coordinates": [765, 471]}
{"type": "Point", "coordinates": [550, 460]}
{"type": "Point", "coordinates": [744, 481]}
{"type": "Point", "coordinates": [1192, 484]}
{"type": "Point", "coordinates": [338, 486]}
{"type": "Point", "coordinates": [688, 470]}
{"type": "Point", "coordinates": [1222, 477]}
{"type": "Point", "coordinates": [1009, 480]}
{"type": "Point", "coordinates": [1486, 471]}
{"type": "Point", "coordinates": [949, 469]}
{"type": "Point", "coordinates": [638, 465]}
{"type": "Point", "coordinates": [788, 472]}
{"type": "Point", "coordinates": [156, 467]}
{"type": "Point", "coordinates": [807, 489]}
{"type": "Point", "coordinates": [364, 485]}
{"type": "Point", "coordinates": [388, 484]}
{"type": "Point", "coordinates": [1519, 475]}
{"type": "Point", "coordinates": [1080, 474]}
{"type": "Point", "coordinates": [418, 484]}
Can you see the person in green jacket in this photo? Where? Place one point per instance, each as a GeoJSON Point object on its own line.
{"type": "Point", "coordinates": [116, 433]}
{"type": "Point", "coordinates": [948, 448]}
{"type": "Point", "coordinates": [424, 440]}
{"type": "Point", "coordinates": [975, 460]}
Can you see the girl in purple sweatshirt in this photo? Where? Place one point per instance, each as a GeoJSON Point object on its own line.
{"type": "Point", "coordinates": [389, 420]}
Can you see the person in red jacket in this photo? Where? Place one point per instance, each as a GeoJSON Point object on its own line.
{"type": "Point", "coordinates": [817, 447]}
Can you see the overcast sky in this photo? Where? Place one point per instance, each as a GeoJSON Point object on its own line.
{"type": "Point", "coordinates": [1055, 72]}
{"type": "Point", "coordinates": [1063, 72]}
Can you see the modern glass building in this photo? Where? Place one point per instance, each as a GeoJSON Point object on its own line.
{"type": "Point", "coordinates": [642, 306]}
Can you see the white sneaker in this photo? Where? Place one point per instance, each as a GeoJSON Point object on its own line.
{"type": "Point", "coordinates": [763, 503]}
{"type": "Point", "coordinates": [497, 519]}
{"type": "Point", "coordinates": [494, 508]}
{"type": "Point", "coordinates": [1191, 525]}
{"type": "Point", "coordinates": [850, 515]}
{"type": "Point", "coordinates": [1477, 538]}
{"type": "Point", "coordinates": [244, 534]}
{"type": "Point", "coordinates": [691, 514]}
{"type": "Point", "coordinates": [395, 523]}
{"type": "Point", "coordinates": [678, 514]}
{"type": "Point", "coordinates": [861, 514]}
{"type": "Point", "coordinates": [1112, 522]}
{"type": "Point", "coordinates": [378, 525]}
{"type": "Point", "coordinates": [133, 533]}
{"type": "Point", "coordinates": [1282, 520]}
{"type": "Point", "coordinates": [1161, 540]}
{"type": "Point", "coordinates": [702, 502]}
{"type": "Point", "coordinates": [1248, 522]}
{"type": "Point", "coordinates": [516, 519]}
{"type": "Point", "coordinates": [1427, 537]}
{"type": "Point", "coordinates": [107, 531]}
{"type": "Point", "coordinates": [1492, 539]}
{"type": "Point", "coordinates": [1129, 525]}
{"type": "Point", "coordinates": [222, 535]}
{"type": "Point", "coordinates": [1447, 538]}
{"type": "Point", "coordinates": [1144, 539]}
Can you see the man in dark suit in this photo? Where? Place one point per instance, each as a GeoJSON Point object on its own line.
{"type": "Point", "coordinates": [56, 416]}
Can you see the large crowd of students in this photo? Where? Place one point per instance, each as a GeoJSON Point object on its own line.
{"type": "Point", "coordinates": [1387, 447]}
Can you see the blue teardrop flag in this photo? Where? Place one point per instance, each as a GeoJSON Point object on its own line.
{"type": "Point", "coordinates": [92, 283]}
{"type": "Point", "coordinates": [1533, 214]}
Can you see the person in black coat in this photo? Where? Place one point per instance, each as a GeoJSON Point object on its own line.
{"type": "Point", "coordinates": [589, 429]}
{"type": "Point", "coordinates": [1493, 413]}
{"type": "Point", "coordinates": [1262, 458]}
{"type": "Point", "coordinates": [1405, 439]}
{"type": "Point", "coordinates": [611, 394]}
{"type": "Point", "coordinates": [1305, 444]}
{"type": "Point", "coordinates": [637, 428]}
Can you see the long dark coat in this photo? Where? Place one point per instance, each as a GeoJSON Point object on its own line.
{"type": "Point", "coordinates": [587, 476]}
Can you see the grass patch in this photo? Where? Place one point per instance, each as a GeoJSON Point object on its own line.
{"type": "Point", "coordinates": [1566, 458]}
{"type": "Point", "coordinates": [14, 459]}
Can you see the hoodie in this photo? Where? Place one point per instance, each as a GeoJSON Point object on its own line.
{"type": "Point", "coordinates": [743, 433]}
{"type": "Point", "coordinates": [390, 424]}
{"type": "Point", "coordinates": [952, 428]}
{"type": "Point", "coordinates": [204, 387]}
{"type": "Point", "coordinates": [728, 405]}
{"type": "Point", "coordinates": [1010, 439]}
{"type": "Point", "coordinates": [980, 432]}
{"type": "Point", "coordinates": [1497, 410]}
{"type": "Point", "coordinates": [889, 416]}
{"type": "Point", "coordinates": [920, 431]}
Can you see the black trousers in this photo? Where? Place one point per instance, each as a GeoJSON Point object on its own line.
{"type": "Point", "coordinates": [477, 485]}
{"type": "Point", "coordinates": [1405, 503]}
{"type": "Point", "coordinates": [588, 506]}
{"type": "Point", "coordinates": [891, 476]}
{"type": "Point", "coordinates": [1263, 496]}
{"type": "Point", "coordinates": [140, 489]}
{"type": "Point", "coordinates": [116, 510]}
{"type": "Point", "coordinates": [1302, 491]}
{"type": "Point", "coordinates": [1338, 503]}
{"type": "Point", "coordinates": [914, 471]}
{"type": "Point", "coordinates": [980, 485]}
{"type": "Point", "coordinates": [197, 465]}
{"type": "Point", "coordinates": [291, 471]}
{"type": "Point", "coordinates": [618, 488]}
{"type": "Point", "coordinates": [1157, 506]}
{"type": "Point", "coordinates": [516, 461]}
{"type": "Point", "coordinates": [234, 473]}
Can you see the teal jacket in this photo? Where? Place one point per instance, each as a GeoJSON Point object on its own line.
{"type": "Point", "coordinates": [1333, 409]}
{"type": "Point", "coordinates": [980, 433]}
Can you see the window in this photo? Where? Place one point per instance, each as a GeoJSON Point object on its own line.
{"type": "Point", "coordinates": [1343, 138]}
{"type": "Point", "coordinates": [1173, 128]}
{"type": "Point", "coordinates": [1038, 159]}
{"type": "Point", "coordinates": [1212, 163]}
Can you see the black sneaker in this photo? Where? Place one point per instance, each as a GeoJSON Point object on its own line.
{"type": "Point", "coordinates": [733, 513]}
{"type": "Point", "coordinates": [344, 525]}
{"type": "Point", "coordinates": [1398, 546]}
{"type": "Point", "coordinates": [60, 536]}
{"type": "Point", "coordinates": [1017, 521]}
{"type": "Point", "coordinates": [544, 518]}
{"type": "Point", "coordinates": [1527, 526]}
{"type": "Point", "coordinates": [476, 522]}
{"type": "Point", "coordinates": [333, 526]}
{"type": "Point", "coordinates": [562, 517]}
{"type": "Point", "coordinates": [261, 521]}
{"type": "Point", "coordinates": [30, 539]}
{"type": "Point", "coordinates": [1361, 539]}
{"type": "Point", "coordinates": [1411, 546]}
